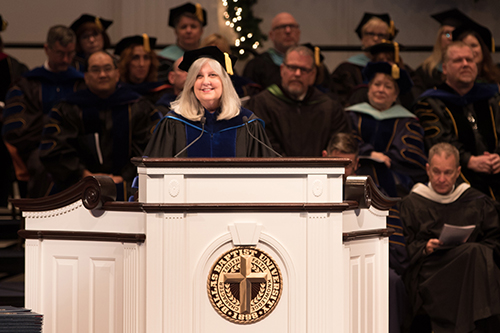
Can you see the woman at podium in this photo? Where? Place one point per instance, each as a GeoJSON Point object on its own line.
{"type": "Point", "coordinates": [207, 119]}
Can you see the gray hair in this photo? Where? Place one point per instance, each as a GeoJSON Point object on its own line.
{"type": "Point", "coordinates": [344, 143]}
{"type": "Point", "coordinates": [61, 34]}
{"type": "Point", "coordinates": [301, 49]}
{"type": "Point", "coordinates": [447, 149]}
{"type": "Point", "coordinates": [188, 106]}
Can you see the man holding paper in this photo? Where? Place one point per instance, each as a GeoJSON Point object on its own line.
{"type": "Point", "coordinates": [457, 285]}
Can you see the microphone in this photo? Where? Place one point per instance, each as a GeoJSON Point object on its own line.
{"type": "Point", "coordinates": [202, 121]}
{"type": "Point", "coordinates": [245, 120]}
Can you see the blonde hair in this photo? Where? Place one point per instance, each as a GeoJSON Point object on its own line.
{"type": "Point", "coordinates": [436, 56]}
{"type": "Point", "coordinates": [188, 106]}
{"type": "Point", "coordinates": [374, 22]}
{"type": "Point", "coordinates": [217, 40]}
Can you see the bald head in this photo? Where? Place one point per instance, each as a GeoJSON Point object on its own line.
{"type": "Point", "coordinates": [285, 32]}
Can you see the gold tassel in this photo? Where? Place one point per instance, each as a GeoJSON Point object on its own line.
{"type": "Point", "coordinates": [395, 72]}
{"type": "Point", "coordinates": [4, 25]}
{"type": "Point", "coordinates": [199, 13]}
{"type": "Point", "coordinates": [147, 47]}
{"type": "Point", "coordinates": [229, 64]}
{"type": "Point", "coordinates": [99, 24]}
{"type": "Point", "coordinates": [492, 45]}
{"type": "Point", "coordinates": [392, 29]}
{"type": "Point", "coordinates": [317, 58]}
{"type": "Point", "coordinates": [396, 52]}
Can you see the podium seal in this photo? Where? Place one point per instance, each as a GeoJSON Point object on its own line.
{"type": "Point", "coordinates": [244, 285]}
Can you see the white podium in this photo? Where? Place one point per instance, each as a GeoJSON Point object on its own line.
{"type": "Point", "coordinates": [212, 245]}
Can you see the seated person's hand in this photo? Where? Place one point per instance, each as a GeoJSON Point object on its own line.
{"type": "Point", "coordinates": [494, 162]}
{"type": "Point", "coordinates": [382, 157]}
{"type": "Point", "coordinates": [480, 163]}
{"type": "Point", "coordinates": [431, 245]}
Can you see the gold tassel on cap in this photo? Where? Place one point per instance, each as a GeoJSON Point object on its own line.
{"type": "Point", "coordinates": [392, 29]}
{"type": "Point", "coordinates": [317, 58]}
{"type": "Point", "coordinates": [395, 72]}
{"type": "Point", "coordinates": [492, 45]}
{"type": "Point", "coordinates": [4, 25]}
{"type": "Point", "coordinates": [99, 24]}
{"type": "Point", "coordinates": [396, 52]}
{"type": "Point", "coordinates": [145, 43]}
{"type": "Point", "coordinates": [229, 64]}
{"type": "Point", "coordinates": [199, 13]}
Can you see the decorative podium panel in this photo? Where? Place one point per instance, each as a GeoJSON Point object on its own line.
{"type": "Point", "coordinates": [212, 245]}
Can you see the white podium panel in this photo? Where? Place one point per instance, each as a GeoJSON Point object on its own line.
{"type": "Point", "coordinates": [153, 265]}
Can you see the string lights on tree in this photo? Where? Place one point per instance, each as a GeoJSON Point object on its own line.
{"type": "Point", "coordinates": [239, 16]}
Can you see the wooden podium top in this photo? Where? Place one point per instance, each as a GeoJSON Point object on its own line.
{"type": "Point", "coordinates": [241, 162]}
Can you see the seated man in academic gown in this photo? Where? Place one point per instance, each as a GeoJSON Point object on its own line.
{"type": "Point", "coordinates": [299, 118]}
{"type": "Point", "coordinates": [98, 130]}
{"type": "Point", "coordinates": [29, 101]}
{"type": "Point", "coordinates": [264, 69]}
{"type": "Point", "coordinates": [456, 283]}
{"type": "Point", "coordinates": [465, 114]}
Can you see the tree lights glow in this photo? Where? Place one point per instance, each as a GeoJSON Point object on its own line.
{"type": "Point", "coordinates": [239, 16]}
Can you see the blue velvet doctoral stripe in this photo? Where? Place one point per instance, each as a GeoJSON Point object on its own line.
{"type": "Point", "coordinates": [55, 86]}
{"type": "Point", "coordinates": [219, 137]}
{"type": "Point", "coordinates": [480, 91]}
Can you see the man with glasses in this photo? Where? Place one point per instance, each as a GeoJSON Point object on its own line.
{"type": "Point", "coordinates": [467, 115]}
{"type": "Point", "coordinates": [98, 130]}
{"type": "Point", "coordinates": [30, 100]}
{"type": "Point", "coordinates": [299, 118]}
{"type": "Point", "coordinates": [264, 69]}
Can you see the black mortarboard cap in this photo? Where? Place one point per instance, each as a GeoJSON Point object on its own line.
{"type": "Point", "coordinates": [384, 17]}
{"type": "Point", "coordinates": [3, 24]}
{"type": "Point", "coordinates": [188, 7]}
{"type": "Point", "coordinates": [226, 60]}
{"type": "Point", "coordinates": [401, 76]}
{"type": "Point", "coordinates": [482, 31]}
{"type": "Point", "coordinates": [103, 24]}
{"type": "Point", "coordinates": [148, 43]}
{"type": "Point", "coordinates": [386, 46]}
{"type": "Point", "coordinates": [317, 56]}
{"type": "Point", "coordinates": [452, 17]}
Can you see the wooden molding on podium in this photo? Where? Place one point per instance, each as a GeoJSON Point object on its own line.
{"type": "Point", "coordinates": [94, 192]}
{"type": "Point", "coordinates": [241, 162]}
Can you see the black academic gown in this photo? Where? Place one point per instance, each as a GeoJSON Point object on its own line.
{"type": "Point", "coordinates": [299, 128]}
{"type": "Point", "coordinates": [455, 285]}
{"type": "Point", "coordinates": [28, 103]}
{"type": "Point", "coordinates": [221, 138]}
{"type": "Point", "coordinates": [99, 135]}
{"type": "Point", "coordinates": [444, 116]}
{"type": "Point", "coordinates": [152, 91]}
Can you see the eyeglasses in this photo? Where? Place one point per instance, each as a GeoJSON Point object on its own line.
{"type": "Point", "coordinates": [284, 26]}
{"type": "Point", "coordinates": [98, 70]}
{"type": "Point", "coordinates": [372, 34]}
{"type": "Point", "coordinates": [294, 69]}
{"type": "Point", "coordinates": [87, 35]}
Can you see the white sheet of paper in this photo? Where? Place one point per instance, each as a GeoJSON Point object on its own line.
{"type": "Point", "coordinates": [453, 234]}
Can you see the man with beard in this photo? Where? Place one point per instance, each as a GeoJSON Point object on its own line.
{"type": "Point", "coordinates": [465, 114]}
{"type": "Point", "coordinates": [300, 120]}
{"type": "Point", "coordinates": [98, 130]}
